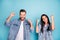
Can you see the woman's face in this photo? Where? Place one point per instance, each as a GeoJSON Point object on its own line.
{"type": "Point", "coordinates": [44, 18]}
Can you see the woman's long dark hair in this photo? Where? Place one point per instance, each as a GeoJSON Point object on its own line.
{"type": "Point", "coordinates": [43, 23]}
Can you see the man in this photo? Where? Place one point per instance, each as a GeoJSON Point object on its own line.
{"type": "Point", "coordinates": [19, 28]}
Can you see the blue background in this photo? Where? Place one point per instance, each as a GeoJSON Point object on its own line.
{"type": "Point", "coordinates": [34, 10]}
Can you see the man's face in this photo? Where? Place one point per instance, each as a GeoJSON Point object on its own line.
{"type": "Point", "coordinates": [22, 15]}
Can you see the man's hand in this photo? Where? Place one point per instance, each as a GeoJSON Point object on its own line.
{"type": "Point", "coordinates": [30, 21]}
{"type": "Point", "coordinates": [31, 25]}
{"type": "Point", "coordinates": [11, 15]}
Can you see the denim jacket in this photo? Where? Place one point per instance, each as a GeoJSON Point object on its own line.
{"type": "Point", "coordinates": [46, 35]}
{"type": "Point", "coordinates": [14, 28]}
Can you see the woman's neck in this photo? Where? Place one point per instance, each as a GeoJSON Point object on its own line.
{"type": "Point", "coordinates": [46, 24]}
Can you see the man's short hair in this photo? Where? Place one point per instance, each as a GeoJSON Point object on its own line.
{"type": "Point", "coordinates": [22, 10]}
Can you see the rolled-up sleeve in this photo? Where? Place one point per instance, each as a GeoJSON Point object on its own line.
{"type": "Point", "coordinates": [31, 29]}
{"type": "Point", "coordinates": [39, 28]}
{"type": "Point", "coordinates": [8, 24]}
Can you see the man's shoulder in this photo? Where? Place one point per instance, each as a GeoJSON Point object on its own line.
{"type": "Point", "coordinates": [15, 20]}
{"type": "Point", "coordinates": [26, 21]}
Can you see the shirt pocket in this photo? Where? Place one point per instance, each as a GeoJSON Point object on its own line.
{"type": "Point", "coordinates": [14, 26]}
{"type": "Point", "coordinates": [27, 27]}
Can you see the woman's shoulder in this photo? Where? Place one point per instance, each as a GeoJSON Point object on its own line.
{"type": "Point", "coordinates": [39, 25]}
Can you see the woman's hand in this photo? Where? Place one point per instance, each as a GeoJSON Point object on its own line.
{"type": "Point", "coordinates": [52, 20]}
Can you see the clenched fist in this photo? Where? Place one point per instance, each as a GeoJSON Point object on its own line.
{"type": "Point", "coordinates": [12, 14]}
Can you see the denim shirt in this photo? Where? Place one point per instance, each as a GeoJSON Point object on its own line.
{"type": "Point", "coordinates": [14, 28]}
{"type": "Point", "coordinates": [46, 35]}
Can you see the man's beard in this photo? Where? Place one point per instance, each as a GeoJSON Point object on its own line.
{"type": "Point", "coordinates": [22, 19]}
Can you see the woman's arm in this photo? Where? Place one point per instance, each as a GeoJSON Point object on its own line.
{"type": "Point", "coordinates": [37, 29]}
{"type": "Point", "coordinates": [52, 21]}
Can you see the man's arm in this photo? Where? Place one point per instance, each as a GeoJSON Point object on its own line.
{"type": "Point", "coordinates": [7, 23]}
{"type": "Point", "coordinates": [9, 18]}
{"type": "Point", "coordinates": [31, 25]}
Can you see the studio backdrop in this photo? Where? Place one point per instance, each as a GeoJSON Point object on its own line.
{"type": "Point", "coordinates": [34, 10]}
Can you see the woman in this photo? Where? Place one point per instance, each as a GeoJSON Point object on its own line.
{"type": "Point", "coordinates": [44, 29]}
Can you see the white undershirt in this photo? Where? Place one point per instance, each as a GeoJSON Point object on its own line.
{"type": "Point", "coordinates": [20, 32]}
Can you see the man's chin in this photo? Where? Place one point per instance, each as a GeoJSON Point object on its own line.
{"type": "Point", "coordinates": [22, 19]}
